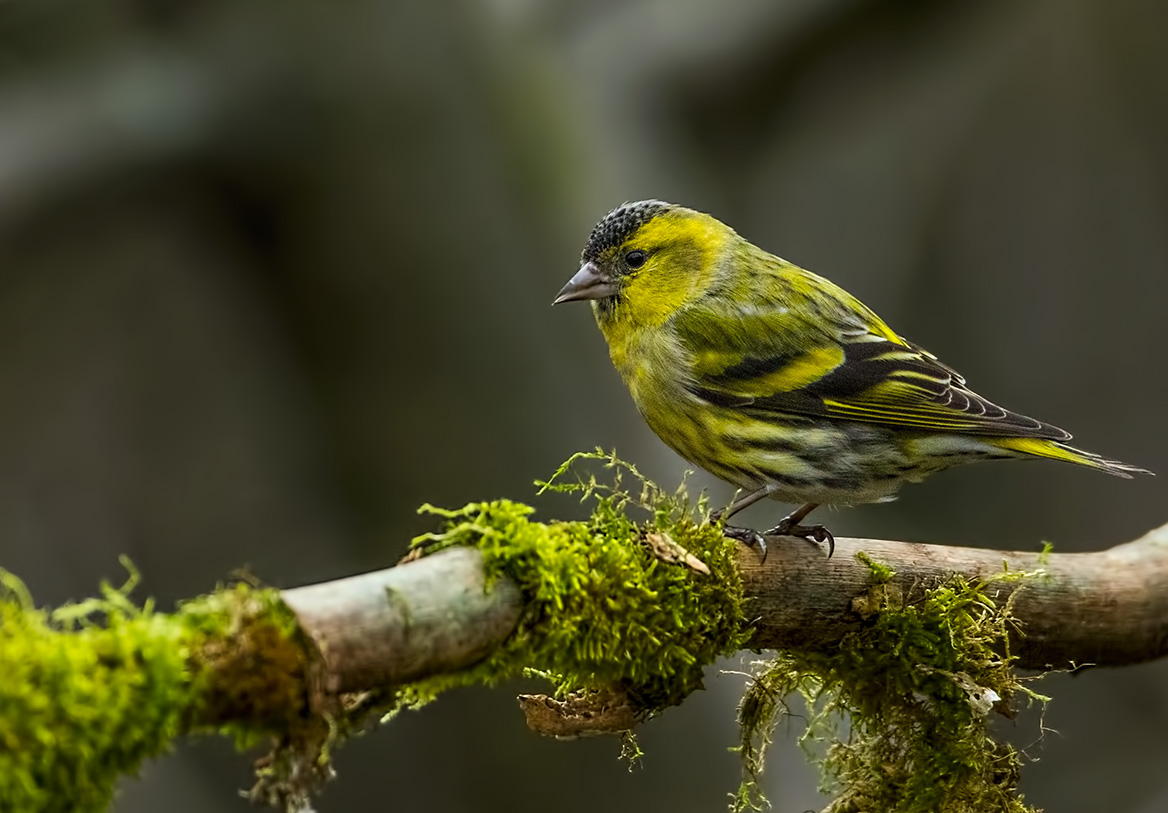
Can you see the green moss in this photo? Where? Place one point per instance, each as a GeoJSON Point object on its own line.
{"type": "Point", "coordinates": [91, 690]}
{"type": "Point", "coordinates": [602, 607]}
{"type": "Point", "coordinates": [249, 655]}
{"type": "Point", "coordinates": [881, 573]}
{"type": "Point", "coordinates": [82, 703]}
{"type": "Point", "coordinates": [1044, 554]}
{"type": "Point", "coordinates": [914, 684]}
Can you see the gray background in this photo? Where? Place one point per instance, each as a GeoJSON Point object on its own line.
{"type": "Point", "coordinates": [273, 274]}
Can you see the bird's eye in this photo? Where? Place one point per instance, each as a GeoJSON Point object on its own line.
{"type": "Point", "coordinates": [636, 258]}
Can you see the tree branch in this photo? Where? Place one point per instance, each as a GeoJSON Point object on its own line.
{"type": "Point", "coordinates": [403, 623]}
{"type": "Point", "coordinates": [235, 661]}
{"type": "Point", "coordinates": [1107, 608]}
{"type": "Point", "coordinates": [436, 615]}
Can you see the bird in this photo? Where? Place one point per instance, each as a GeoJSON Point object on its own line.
{"type": "Point", "coordinates": [778, 381]}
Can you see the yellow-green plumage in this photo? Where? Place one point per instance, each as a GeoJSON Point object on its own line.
{"type": "Point", "coordinates": [769, 376]}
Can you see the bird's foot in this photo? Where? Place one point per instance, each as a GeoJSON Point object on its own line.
{"type": "Point", "coordinates": [812, 533]}
{"type": "Point", "coordinates": [747, 536]}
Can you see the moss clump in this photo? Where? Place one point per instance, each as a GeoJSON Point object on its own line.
{"type": "Point", "coordinates": [82, 703]}
{"type": "Point", "coordinates": [90, 690]}
{"type": "Point", "coordinates": [602, 607]}
{"type": "Point", "coordinates": [914, 684]}
{"type": "Point", "coordinates": [249, 654]}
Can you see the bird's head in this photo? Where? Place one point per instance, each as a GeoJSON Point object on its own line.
{"type": "Point", "coordinates": [645, 261]}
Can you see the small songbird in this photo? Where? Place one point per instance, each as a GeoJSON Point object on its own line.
{"type": "Point", "coordinates": [777, 380]}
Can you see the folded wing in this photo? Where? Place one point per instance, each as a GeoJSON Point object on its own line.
{"type": "Point", "coordinates": [775, 361]}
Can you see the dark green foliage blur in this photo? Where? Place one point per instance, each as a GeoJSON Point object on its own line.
{"type": "Point", "coordinates": [274, 274]}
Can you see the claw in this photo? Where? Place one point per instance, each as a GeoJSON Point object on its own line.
{"type": "Point", "coordinates": [748, 537]}
{"type": "Point", "coordinates": [824, 535]}
{"type": "Point", "coordinates": [789, 526]}
{"type": "Point", "coordinates": [812, 533]}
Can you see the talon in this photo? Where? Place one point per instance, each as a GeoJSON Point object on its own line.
{"type": "Point", "coordinates": [747, 536]}
{"type": "Point", "coordinates": [812, 533]}
{"type": "Point", "coordinates": [826, 536]}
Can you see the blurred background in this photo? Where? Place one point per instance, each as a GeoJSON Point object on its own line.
{"type": "Point", "coordinates": [274, 274]}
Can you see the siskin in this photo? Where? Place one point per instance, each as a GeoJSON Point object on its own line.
{"type": "Point", "coordinates": [777, 380]}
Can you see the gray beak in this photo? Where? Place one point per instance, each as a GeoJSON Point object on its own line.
{"type": "Point", "coordinates": [588, 283]}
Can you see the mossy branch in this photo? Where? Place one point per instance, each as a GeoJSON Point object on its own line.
{"type": "Point", "coordinates": [1108, 608]}
{"type": "Point", "coordinates": [622, 616]}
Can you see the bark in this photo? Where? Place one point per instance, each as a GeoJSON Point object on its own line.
{"type": "Point", "coordinates": [435, 615]}
{"type": "Point", "coordinates": [391, 626]}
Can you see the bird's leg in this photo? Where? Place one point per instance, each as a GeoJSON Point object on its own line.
{"type": "Point", "coordinates": [745, 501]}
{"type": "Point", "coordinates": [789, 526]}
{"type": "Point", "coordinates": [747, 536]}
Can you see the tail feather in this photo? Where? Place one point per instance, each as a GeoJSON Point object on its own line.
{"type": "Point", "coordinates": [1039, 447]}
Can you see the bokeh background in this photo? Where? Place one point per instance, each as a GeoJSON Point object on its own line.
{"type": "Point", "coordinates": [274, 274]}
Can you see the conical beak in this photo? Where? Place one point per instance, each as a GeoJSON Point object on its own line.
{"type": "Point", "coordinates": [588, 283]}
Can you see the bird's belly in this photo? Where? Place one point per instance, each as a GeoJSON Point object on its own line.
{"type": "Point", "coordinates": [805, 459]}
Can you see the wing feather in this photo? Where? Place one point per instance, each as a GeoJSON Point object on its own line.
{"type": "Point", "coordinates": [764, 365]}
